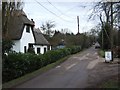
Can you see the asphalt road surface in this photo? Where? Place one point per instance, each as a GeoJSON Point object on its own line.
{"type": "Point", "coordinates": [73, 73]}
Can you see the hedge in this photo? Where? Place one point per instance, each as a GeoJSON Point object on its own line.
{"type": "Point", "coordinates": [101, 53]}
{"type": "Point", "coordinates": [18, 64]}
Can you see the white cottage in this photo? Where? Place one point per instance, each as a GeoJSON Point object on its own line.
{"type": "Point", "coordinates": [41, 44]}
{"type": "Point", "coordinates": [21, 31]}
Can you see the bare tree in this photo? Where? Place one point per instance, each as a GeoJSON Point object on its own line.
{"type": "Point", "coordinates": [47, 27]}
{"type": "Point", "coordinates": [108, 13]}
{"type": "Point", "coordinates": [8, 8]}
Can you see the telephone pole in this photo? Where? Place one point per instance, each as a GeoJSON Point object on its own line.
{"type": "Point", "coordinates": [111, 33]}
{"type": "Point", "coordinates": [78, 23]}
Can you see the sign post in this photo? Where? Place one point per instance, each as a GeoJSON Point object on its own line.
{"type": "Point", "coordinates": [78, 24]}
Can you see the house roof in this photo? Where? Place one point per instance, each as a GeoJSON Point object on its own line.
{"type": "Point", "coordinates": [39, 38]}
{"type": "Point", "coordinates": [16, 27]}
{"type": "Point", "coordinates": [17, 23]}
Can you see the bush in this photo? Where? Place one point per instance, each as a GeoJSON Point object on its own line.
{"type": "Point", "coordinates": [6, 45]}
{"type": "Point", "coordinates": [116, 51]}
{"type": "Point", "coordinates": [75, 49]}
{"type": "Point", "coordinates": [101, 53]}
{"type": "Point", "coordinates": [31, 50]}
{"type": "Point", "coordinates": [18, 64]}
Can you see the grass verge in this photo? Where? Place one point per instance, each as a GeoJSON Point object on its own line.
{"type": "Point", "coordinates": [29, 76]}
{"type": "Point", "coordinates": [101, 53]}
{"type": "Point", "coordinates": [113, 83]}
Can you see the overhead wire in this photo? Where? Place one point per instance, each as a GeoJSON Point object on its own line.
{"type": "Point", "coordinates": [59, 10]}
{"type": "Point", "coordinates": [52, 12]}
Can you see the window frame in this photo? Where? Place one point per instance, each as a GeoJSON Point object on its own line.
{"type": "Point", "coordinates": [39, 50]}
{"type": "Point", "coordinates": [25, 49]}
{"type": "Point", "coordinates": [45, 49]}
{"type": "Point", "coordinates": [27, 28]}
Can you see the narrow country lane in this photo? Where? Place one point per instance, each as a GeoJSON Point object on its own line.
{"type": "Point", "coordinates": [73, 73]}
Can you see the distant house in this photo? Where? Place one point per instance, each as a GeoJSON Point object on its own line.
{"type": "Point", "coordinates": [23, 34]}
{"type": "Point", "coordinates": [61, 44]}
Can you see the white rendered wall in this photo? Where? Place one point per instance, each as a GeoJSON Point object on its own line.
{"type": "Point", "coordinates": [50, 47]}
{"type": "Point", "coordinates": [26, 39]}
{"type": "Point", "coordinates": [41, 48]}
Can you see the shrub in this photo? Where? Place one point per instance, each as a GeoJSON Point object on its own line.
{"type": "Point", "coordinates": [31, 50]}
{"type": "Point", "coordinates": [75, 49]}
{"type": "Point", "coordinates": [101, 53]}
{"type": "Point", "coordinates": [6, 45]}
{"type": "Point", "coordinates": [116, 51]}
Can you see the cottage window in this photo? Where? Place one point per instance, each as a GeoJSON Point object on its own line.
{"type": "Point", "coordinates": [30, 45]}
{"type": "Point", "coordinates": [45, 49]}
{"type": "Point", "coordinates": [25, 49]}
{"type": "Point", "coordinates": [38, 50]}
{"type": "Point", "coordinates": [28, 29]}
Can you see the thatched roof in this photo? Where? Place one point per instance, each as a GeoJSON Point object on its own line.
{"type": "Point", "coordinates": [16, 27]}
{"type": "Point", "coordinates": [17, 23]}
{"type": "Point", "coordinates": [39, 38]}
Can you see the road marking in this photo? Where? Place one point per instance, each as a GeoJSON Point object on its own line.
{"type": "Point", "coordinates": [92, 64]}
{"type": "Point", "coordinates": [87, 54]}
{"type": "Point", "coordinates": [83, 57]}
{"type": "Point", "coordinates": [75, 57]}
{"type": "Point", "coordinates": [98, 57]}
{"type": "Point", "coordinates": [95, 53]}
{"type": "Point", "coordinates": [58, 66]}
{"type": "Point", "coordinates": [71, 66]}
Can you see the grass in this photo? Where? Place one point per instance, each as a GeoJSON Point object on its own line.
{"type": "Point", "coordinates": [29, 76]}
{"type": "Point", "coordinates": [101, 53]}
{"type": "Point", "coordinates": [111, 84]}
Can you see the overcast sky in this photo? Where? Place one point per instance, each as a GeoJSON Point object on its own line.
{"type": "Point", "coordinates": [63, 13]}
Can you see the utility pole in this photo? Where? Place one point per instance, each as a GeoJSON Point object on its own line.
{"type": "Point", "coordinates": [102, 37]}
{"type": "Point", "coordinates": [78, 23]}
{"type": "Point", "coordinates": [111, 28]}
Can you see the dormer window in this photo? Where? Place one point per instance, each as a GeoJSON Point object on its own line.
{"type": "Point", "coordinates": [28, 29]}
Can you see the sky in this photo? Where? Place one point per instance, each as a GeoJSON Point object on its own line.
{"type": "Point", "coordinates": [63, 13]}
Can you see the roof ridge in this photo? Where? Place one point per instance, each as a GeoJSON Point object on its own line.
{"type": "Point", "coordinates": [37, 30]}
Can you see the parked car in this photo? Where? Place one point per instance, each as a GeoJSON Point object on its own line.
{"type": "Point", "coordinates": [93, 43]}
{"type": "Point", "coordinates": [97, 45]}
